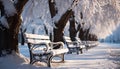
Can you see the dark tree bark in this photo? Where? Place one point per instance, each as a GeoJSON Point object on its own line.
{"type": "Point", "coordinates": [52, 8]}
{"type": "Point", "coordinates": [14, 22]}
{"type": "Point", "coordinates": [2, 44]}
{"type": "Point", "coordinates": [80, 30]}
{"type": "Point", "coordinates": [53, 12]}
{"type": "Point", "coordinates": [92, 37]}
{"type": "Point", "coordinates": [87, 34]}
{"type": "Point", "coordinates": [3, 33]}
{"type": "Point", "coordinates": [72, 29]}
{"type": "Point", "coordinates": [58, 32]}
{"type": "Point", "coordinates": [81, 34]}
{"type": "Point", "coordinates": [84, 35]}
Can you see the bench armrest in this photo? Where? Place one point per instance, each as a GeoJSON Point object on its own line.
{"type": "Point", "coordinates": [56, 45]}
{"type": "Point", "coordinates": [73, 42]}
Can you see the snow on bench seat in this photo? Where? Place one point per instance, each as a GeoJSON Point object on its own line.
{"type": "Point", "coordinates": [91, 43]}
{"type": "Point", "coordinates": [60, 51]}
{"type": "Point", "coordinates": [36, 39]}
{"type": "Point", "coordinates": [42, 49]}
{"type": "Point", "coordinates": [74, 46]}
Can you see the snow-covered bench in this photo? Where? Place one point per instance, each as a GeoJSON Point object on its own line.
{"type": "Point", "coordinates": [90, 43]}
{"type": "Point", "coordinates": [74, 46]}
{"type": "Point", "coordinates": [43, 50]}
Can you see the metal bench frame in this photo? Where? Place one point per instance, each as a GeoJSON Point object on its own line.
{"type": "Point", "coordinates": [77, 45]}
{"type": "Point", "coordinates": [34, 41]}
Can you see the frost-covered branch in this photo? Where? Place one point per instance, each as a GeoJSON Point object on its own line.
{"type": "Point", "coordinates": [10, 10]}
{"type": "Point", "coordinates": [8, 7]}
{"type": "Point", "coordinates": [19, 5]}
{"type": "Point", "coordinates": [101, 15]}
{"type": "Point", "coordinates": [10, 17]}
{"type": "Point", "coordinates": [75, 2]}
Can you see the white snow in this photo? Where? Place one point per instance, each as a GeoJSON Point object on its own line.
{"type": "Point", "coordinates": [9, 7]}
{"type": "Point", "coordinates": [114, 37]}
{"type": "Point", "coordinates": [9, 11]}
{"type": "Point", "coordinates": [62, 6]}
{"type": "Point", "coordinates": [16, 61]}
{"type": "Point", "coordinates": [4, 22]}
{"type": "Point", "coordinates": [37, 13]}
{"type": "Point", "coordinates": [101, 16]}
{"type": "Point", "coordinates": [104, 56]}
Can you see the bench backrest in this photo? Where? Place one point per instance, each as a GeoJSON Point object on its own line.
{"type": "Point", "coordinates": [35, 38]}
{"type": "Point", "coordinates": [78, 39]}
{"type": "Point", "coordinates": [67, 39]}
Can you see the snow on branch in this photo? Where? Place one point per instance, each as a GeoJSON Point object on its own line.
{"type": "Point", "coordinates": [52, 1]}
{"type": "Point", "coordinates": [9, 7]}
{"type": "Point", "coordinates": [75, 2]}
{"type": "Point", "coordinates": [117, 4]}
{"type": "Point", "coordinates": [4, 22]}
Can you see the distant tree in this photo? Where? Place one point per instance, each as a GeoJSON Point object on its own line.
{"type": "Point", "coordinates": [10, 34]}
{"type": "Point", "coordinates": [72, 29]}
{"type": "Point", "coordinates": [53, 12]}
{"type": "Point", "coordinates": [84, 34]}
{"type": "Point", "coordinates": [52, 8]}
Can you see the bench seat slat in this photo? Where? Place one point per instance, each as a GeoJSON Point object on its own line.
{"type": "Point", "coordinates": [74, 45]}
{"type": "Point", "coordinates": [36, 36]}
{"type": "Point", "coordinates": [59, 51]}
{"type": "Point", "coordinates": [34, 41]}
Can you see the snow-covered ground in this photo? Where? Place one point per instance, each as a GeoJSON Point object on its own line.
{"type": "Point", "coordinates": [104, 56]}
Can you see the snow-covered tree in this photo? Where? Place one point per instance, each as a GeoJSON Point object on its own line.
{"type": "Point", "coordinates": [10, 21]}
{"type": "Point", "coordinates": [98, 16]}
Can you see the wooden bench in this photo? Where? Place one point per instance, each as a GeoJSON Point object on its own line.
{"type": "Point", "coordinates": [74, 46]}
{"type": "Point", "coordinates": [43, 50]}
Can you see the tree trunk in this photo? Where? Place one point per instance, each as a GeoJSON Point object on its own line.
{"type": "Point", "coordinates": [58, 32]}
{"type": "Point", "coordinates": [72, 29]}
{"type": "Point", "coordinates": [13, 31]}
{"type": "Point", "coordinates": [11, 34]}
{"type": "Point", "coordinates": [81, 34]}
{"type": "Point", "coordinates": [53, 10]}
{"type": "Point", "coordinates": [86, 36]}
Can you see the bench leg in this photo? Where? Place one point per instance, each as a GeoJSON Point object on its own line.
{"type": "Point", "coordinates": [62, 58]}
{"type": "Point", "coordinates": [49, 61]}
{"type": "Point", "coordinates": [77, 50]}
{"type": "Point", "coordinates": [81, 50]}
{"type": "Point", "coordinates": [33, 61]}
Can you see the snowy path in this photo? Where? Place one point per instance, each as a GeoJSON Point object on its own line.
{"type": "Point", "coordinates": [95, 58]}
{"type": "Point", "coordinates": [104, 56]}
